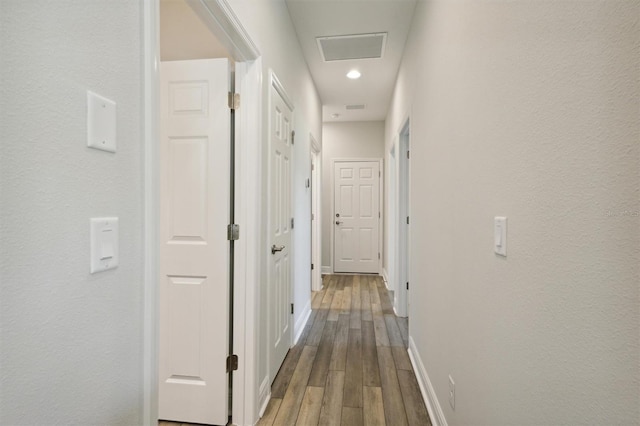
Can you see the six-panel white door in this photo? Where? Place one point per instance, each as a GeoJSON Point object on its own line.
{"type": "Point", "coordinates": [194, 251]}
{"type": "Point", "coordinates": [356, 216]}
{"type": "Point", "coordinates": [279, 292]}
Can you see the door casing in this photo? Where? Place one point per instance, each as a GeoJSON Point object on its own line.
{"type": "Point", "coordinates": [229, 30]}
{"type": "Point", "coordinates": [316, 234]}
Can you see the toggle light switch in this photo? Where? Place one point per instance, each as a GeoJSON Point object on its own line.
{"type": "Point", "coordinates": [104, 244]}
{"type": "Point", "coordinates": [500, 235]}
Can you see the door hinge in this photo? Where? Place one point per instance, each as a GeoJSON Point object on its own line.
{"type": "Point", "coordinates": [313, 216]}
{"type": "Point", "coordinates": [379, 174]}
{"type": "Point", "coordinates": [232, 363]}
{"type": "Point", "coordinates": [313, 167]}
{"type": "Point", "coordinates": [379, 215]}
{"type": "Point", "coordinates": [234, 101]}
{"type": "Point", "coordinates": [407, 220]}
{"type": "Point", "coordinates": [407, 285]}
{"type": "Point", "coordinates": [292, 309]}
{"type": "Point", "coordinates": [378, 256]}
{"type": "Point", "coordinates": [408, 154]}
{"type": "Point", "coordinates": [293, 137]}
{"type": "Point", "coordinates": [292, 223]}
{"type": "Point", "coordinates": [233, 232]}
{"type": "Point", "coordinates": [312, 266]}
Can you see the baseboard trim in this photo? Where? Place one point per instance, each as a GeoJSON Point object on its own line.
{"type": "Point", "coordinates": [327, 270]}
{"type": "Point", "coordinates": [302, 322]}
{"type": "Point", "coordinates": [426, 388]}
{"type": "Point", "coordinates": [385, 277]}
{"type": "Point", "coordinates": [265, 396]}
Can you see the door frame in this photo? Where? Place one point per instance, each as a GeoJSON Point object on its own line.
{"type": "Point", "coordinates": [222, 21]}
{"type": "Point", "coordinates": [316, 211]}
{"type": "Point", "coordinates": [380, 205]}
{"type": "Point", "coordinates": [403, 209]}
{"type": "Point", "coordinates": [392, 193]}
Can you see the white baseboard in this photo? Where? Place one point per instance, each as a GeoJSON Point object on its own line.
{"type": "Point", "coordinates": [265, 395]}
{"type": "Point", "coordinates": [327, 270]}
{"type": "Point", "coordinates": [426, 388]}
{"type": "Point", "coordinates": [298, 328]}
{"type": "Point", "coordinates": [385, 277]}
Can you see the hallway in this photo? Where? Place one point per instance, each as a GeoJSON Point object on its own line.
{"type": "Point", "coordinates": [350, 366]}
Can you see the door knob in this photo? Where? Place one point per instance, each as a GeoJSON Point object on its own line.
{"type": "Point", "coordinates": [275, 249]}
{"type": "Point", "coordinates": [338, 222]}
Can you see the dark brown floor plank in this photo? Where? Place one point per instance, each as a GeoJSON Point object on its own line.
{"type": "Point", "coordinates": [393, 405]}
{"type": "Point", "coordinates": [382, 337]}
{"type": "Point", "coordinates": [353, 372]}
{"type": "Point", "coordinates": [356, 304]}
{"type": "Point", "coordinates": [336, 306]}
{"type": "Point", "coordinates": [340, 343]}
{"type": "Point", "coordinates": [280, 384]}
{"type": "Point", "coordinates": [290, 405]}
{"type": "Point", "coordinates": [352, 416]}
{"type": "Point", "coordinates": [270, 413]}
{"type": "Point", "coordinates": [401, 358]}
{"type": "Point", "coordinates": [370, 368]}
{"type": "Point", "coordinates": [414, 404]}
{"type": "Point", "coordinates": [365, 293]}
{"type": "Point", "coordinates": [323, 357]}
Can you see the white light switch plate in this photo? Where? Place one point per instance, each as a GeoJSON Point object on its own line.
{"type": "Point", "coordinates": [104, 244]}
{"type": "Point", "coordinates": [500, 235]}
{"type": "Point", "coordinates": [101, 122]}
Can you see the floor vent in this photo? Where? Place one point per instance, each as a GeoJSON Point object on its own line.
{"type": "Point", "coordinates": [357, 46]}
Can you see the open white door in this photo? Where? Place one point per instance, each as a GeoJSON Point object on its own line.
{"type": "Point", "coordinates": [280, 126]}
{"type": "Point", "coordinates": [194, 251]}
{"type": "Point", "coordinates": [356, 216]}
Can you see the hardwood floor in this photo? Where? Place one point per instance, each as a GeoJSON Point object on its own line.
{"type": "Point", "coordinates": [350, 366]}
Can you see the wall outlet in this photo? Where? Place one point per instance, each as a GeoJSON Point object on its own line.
{"type": "Point", "coordinates": [452, 393]}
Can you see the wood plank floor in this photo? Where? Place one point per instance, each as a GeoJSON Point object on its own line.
{"type": "Point", "coordinates": [350, 366]}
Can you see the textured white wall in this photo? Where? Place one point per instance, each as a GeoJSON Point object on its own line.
{"type": "Point", "coordinates": [270, 27]}
{"type": "Point", "coordinates": [358, 139]}
{"type": "Point", "coordinates": [71, 342]}
{"type": "Point", "coordinates": [528, 110]}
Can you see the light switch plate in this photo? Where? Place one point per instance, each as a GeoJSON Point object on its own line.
{"type": "Point", "coordinates": [500, 235]}
{"type": "Point", "coordinates": [104, 244]}
{"type": "Point", "coordinates": [101, 122]}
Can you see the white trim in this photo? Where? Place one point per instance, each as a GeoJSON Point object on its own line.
{"type": "Point", "coordinates": [380, 205]}
{"type": "Point", "coordinates": [327, 270]}
{"type": "Point", "coordinates": [248, 247]}
{"type": "Point", "coordinates": [302, 322]}
{"type": "Point", "coordinates": [265, 396]}
{"type": "Point", "coordinates": [225, 25]}
{"type": "Point", "coordinates": [151, 58]}
{"type": "Point", "coordinates": [426, 388]}
{"type": "Point", "coordinates": [275, 82]}
{"type": "Point", "coordinates": [403, 237]}
{"type": "Point", "coordinates": [316, 201]}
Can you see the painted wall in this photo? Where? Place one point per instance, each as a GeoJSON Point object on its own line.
{"type": "Point", "coordinates": [269, 25]}
{"type": "Point", "coordinates": [358, 139]}
{"type": "Point", "coordinates": [527, 110]}
{"type": "Point", "coordinates": [71, 342]}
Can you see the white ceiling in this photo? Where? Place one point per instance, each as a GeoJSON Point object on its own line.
{"type": "Point", "coordinates": [321, 18]}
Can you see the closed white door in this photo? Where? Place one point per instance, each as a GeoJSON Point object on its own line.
{"type": "Point", "coordinates": [280, 126]}
{"type": "Point", "coordinates": [356, 216]}
{"type": "Point", "coordinates": [194, 251]}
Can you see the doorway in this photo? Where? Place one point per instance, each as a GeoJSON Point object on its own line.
{"type": "Point", "coordinates": [357, 216]}
{"type": "Point", "coordinates": [225, 27]}
{"type": "Point", "coordinates": [404, 221]}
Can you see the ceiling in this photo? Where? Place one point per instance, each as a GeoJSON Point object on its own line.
{"type": "Point", "coordinates": [322, 18]}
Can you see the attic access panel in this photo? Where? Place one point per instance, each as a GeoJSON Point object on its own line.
{"type": "Point", "coordinates": [356, 46]}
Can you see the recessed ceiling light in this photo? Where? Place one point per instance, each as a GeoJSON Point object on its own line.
{"type": "Point", "coordinates": [354, 74]}
{"type": "Point", "coordinates": [334, 115]}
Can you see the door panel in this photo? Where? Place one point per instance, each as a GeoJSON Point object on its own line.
{"type": "Point", "coordinates": [279, 294]}
{"type": "Point", "coordinates": [356, 224]}
{"type": "Point", "coordinates": [194, 251]}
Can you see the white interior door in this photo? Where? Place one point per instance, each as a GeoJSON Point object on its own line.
{"type": "Point", "coordinates": [356, 216]}
{"type": "Point", "coordinates": [280, 126]}
{"type": "Point", "coordinates": [194, 251]}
